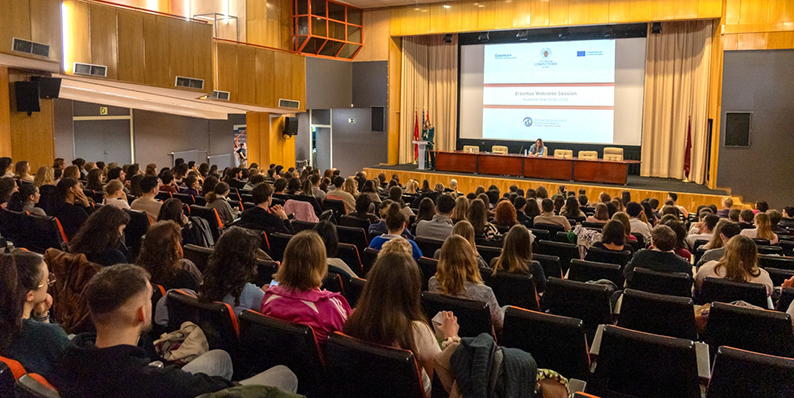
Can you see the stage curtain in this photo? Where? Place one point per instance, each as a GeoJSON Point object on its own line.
{"type": "Point", "coordinates": [676, 87]}
{"type": "Point", "coordinates": [429, 83]}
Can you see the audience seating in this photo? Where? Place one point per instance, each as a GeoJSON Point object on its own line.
{"type": "Point", "coordinates": [698, 243]}
{"type": "Point", "coordinates": [489, 253]}
{"type": "Point", "coordinates": [550, 264]}
{"type": "Point", "coordinates": [471, 149]}
{"type": "Point", "coordinates": [212, 217]}
{"type": "Point", "coordinates": [499, 149]}
{"type": "Point", "coordinates": [670, 283]}
{"type": "Point", "coordinates": [640, 240]}
{"type": "Point", "coordinates": [202, 201]}
{"type": "Point", "coordinates": [778, 275]}
{"type": "Point", "coordinates": [585, 271]}
{"type": "Point", "coordinates": [163, 196]}
{"type": "Point", "coordinates": [563, 153]}
{"type": "Point", "coordinates": [767, 249]}
{"type": "Point", "coordinates": [198, 255]}
{"type": "Point", "coordinates": [359, 369]}
{"type": "Point", "coordinates": [186, 198]}
{"type": "Point", "coordinates": [740, 373]}
{"type": "Point", "coordinates": [551, 228]}
{"type": "Point", "coordinates": [349, 254]}
{"type": "Point", "coordinates": [613, 154]}
{"type": "Point", "coordinates": [562, 236]}
{"type": "Point", "coordinates": [368, 258]}
{"type": "Point", "coordinates": [299, 226]}
{"type": "Point", "coordinates": [428, 267]}
{"type": "Point", "coordinates": [761, 242]}
{"type": "Point", "coordinates": [337, 206]}
{"type": "Point", "coordinates": [787, 246]}
{"type": "Point", "coordinates": [763, 331]}
{"type": "Point", "coordinates": [608, 256]}
{"type": "Point", "coordinates": [264, 272]}
{"type": "Point", "coordinates": [555, 342]}
{"type": "Point", "coordinates": [354, 289]}
{"type": "Point", "coordinates": [565, 251]}
{"type": "Point", "coordinates": [46, 233]}
{"type": "Point", "coordinates": [333, 282]}
{"type": "Point", "coordinates": [428, 246]}
{"type": "Point", "coordinates": [770, 261]}
{"type": "Point", "coordinates": [595, 225]}
{"type": "Point", "coordinates": [16, 227]}
{"type": "Point", "coordinates": [588, 155]}
{"type": "Point", "coordinates": [514, 289]}
{"type": "Point", "coordinates": [473, 316]}
{"type": "Point", "coordinates": [540, 234]}
{"type": "Point", "coordinates": [658, 314]}
{"type": "Point", "coordinates": [31, 386]}
{"type": "Point", "coordinates": [354, 236]}
{"type": "Point", "coordinates": [355, 222]}
{"type": "Point", "coordinates": [269, 342]}
{"type": "Point", "coordinates": [278, 243]}
{"type": "Point", "coordinates": [726, 291]}
{"type": "Point", "coordinates": [216, 319]}
{"type": "Point", "coordinates": [586, 301]}
{"type": "Point", "coordinates": [786, 297]}
{"type": "Point", "coordinates": [698, 254]}
{"type": "Point", "coordinates": [645, 365]}
{"type": "Point", "coordinates": [7, 381]}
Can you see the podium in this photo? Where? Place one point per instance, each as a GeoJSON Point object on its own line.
{"type": "Point", "coordinates": [421, 160]}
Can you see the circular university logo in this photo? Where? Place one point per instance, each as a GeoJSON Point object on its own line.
{"type": "Point", "coordinates": [545, 53]}
{"type": "Point", "coordinates": [527, 121]}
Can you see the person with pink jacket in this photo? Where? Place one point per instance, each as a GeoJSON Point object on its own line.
{"type": "Point", "coordinates": [298, 298]}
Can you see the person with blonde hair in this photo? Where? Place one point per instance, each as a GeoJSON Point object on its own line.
{"type": "Point", "coordinates": [516, 257]}
{"type": "Point", "coordinates": [762, 230]}
{"type": "Point", "coordinates": [458, 276]}
{"type": "Point", "coordinates": [115, 196]}
{"type": "Point", "coordinates": [44, 176]}
{"type": "Point", "coordinates": [411, 186]}
{"type": "Point", "coordinates": [464, 229]}
{"type": "Point", "coordinates": [460, 210]}
{"type": "Point", "coordinates": [601, 214]}
{"type": "Point", "coordinates": [22, 171]}
{"type": "Point", "coordinates": [396, 245]}
{"type": "Point", "coordinates": [478, 217]}
{"type": "Point", "coordinates": [297, 297]}
{"type": "Point", "coordinates": [739, 263]}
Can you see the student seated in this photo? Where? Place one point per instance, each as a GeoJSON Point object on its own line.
{"type": "Point", "coordinates": [395, 222]}
{"type": "Point", "coordinates": [724, 231]}
{"type": "Point", "coordinates": [464, 229]}
{"type": "Point", "coordinates": [613, 237]}
{"type": "Point", "coordinates": [230, 269]}
{"type": "Point", "coordinates": [264, 216]}
{"type": "Point", "coordinates": [788, 217]}
{"type": "Point", "coordinates": [146, 202]}
{"type": "Point", "coordinates": [548, 217]}
{"type": "Point", "coordinates": [478, 217]}
{"type": "Point", "coordinates": [389, 313]}
{"type": "Point", "coordinates": [681, 247]}
{"type": "Point", "coordinates": [167, 177]}
{"type": "Point", "coordinates": [660, 257]}
{"type": "Point", "coordinates": [101, 238]}
{"type": "Point", "coordinates": [601, 214]}
{"type": "Point", "coordinates": [113, 362]}
{"type": "Point", "coordinates": [762, 230]}
{"type": "Point", "coordinates": [458, 276]}
{"type": "Point", "coordinates": [634, 210]}
{"type": "Point", "coordinates": [161, 255]}
{"type": "Point", "coordinates": [363, 205]}
{"type": "Point", "coordinates": [345, 190]}
{"type": "Point", "coordinates": [94, 181]}
{"type": "Point", "coordinates": [26, 334]}
{"type": "Point", "coordinates": [703, 231]}
{"type": "Point", "coordinates": [328, 234]}
{"type": "Point", "coordinates": [217, 200]}
{"type": "Point", "coordinates": [426, 211]}
{"type": "Point", "coordinates": [739, 263]}
{"type": "Point", "coordinates": [26, 199]}
{"type": "Point", "coordinates": [297, 297]}
{"type": "Point", "coordinates": [380, 226]}
{"type": "Point", "coordinates": [571, 209]}
{"type": "Point", "coordinates": [115, 196]}
{"type": "Point", "coordinates": [440, 226]}
{"type": "Point", "coordinates": [516, 257]}
{"type": "Point", "coordinates": [505, 214]}
{"type": "Point", "coordinates": [746, 218]}
{"type": "Point", "coordinates": [71, 209]}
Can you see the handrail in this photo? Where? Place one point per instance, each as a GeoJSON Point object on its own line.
{"type": "Point", "coordinates": [164, 14]}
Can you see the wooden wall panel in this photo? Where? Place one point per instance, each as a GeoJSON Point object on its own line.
{"type": "Point", "coordinates": [103, 37]}
{"type": "Point", "coordinates": [269, 23]}
{"type": "Point", "coordinates": [246, 74]}
{"type": "Point", "coordinates": [78, 44]}
{"type": "Point", "coordinates": [375, 36]}
{"type": "Point", "coordinates": [131, 55]}
{"type": "Point", "coordinates": [265, 90]}
{"type": "Point", "coordinates": [179, 51]}
{"type": "Point", "coordinates": [225, 76]}
{"type": "Point", "coordinates": [282, 65]}
{"type": "Point", "coordinates": [32, 137]}
{"type": "Point", "coordinates": [298, 79]}
{"type": "Point", "coordinates": [45, 26]}
{"type": "Point", "coordinates": [201, 53]}
{"type": "Point", "coordinates": [5, 114]}
{"type": "Point", "coordinates": [758, 25]}
{"type": "Point", "coordinates": [156, 70]}
{"type": "Point", "coordinates": [17, 20]}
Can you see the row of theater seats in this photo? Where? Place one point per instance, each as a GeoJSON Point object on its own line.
{"type": "Point", "coordinates": [610, 153]}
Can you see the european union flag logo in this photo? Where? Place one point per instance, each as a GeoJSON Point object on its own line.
{"type": "Point", "coordinates": [580, 53]}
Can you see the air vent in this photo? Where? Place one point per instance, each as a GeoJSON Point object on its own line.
{"type": "Point", "coordinates": [29, 47]}
{"type": "Point", "coordinates": [90, 70]}
{"type": "Point", "coordinates": [219, 95]}
{"type": "Point", "coordinates": [291, 104]}
{"type": "Point", "coordinates": [189, 82]}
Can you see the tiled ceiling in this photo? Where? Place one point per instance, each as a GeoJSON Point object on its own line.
{"type": "Point", "coordinates": [384, 3]}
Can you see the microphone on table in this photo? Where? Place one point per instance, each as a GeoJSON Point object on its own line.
{"type": "Point", "coordinates": [521, 150]}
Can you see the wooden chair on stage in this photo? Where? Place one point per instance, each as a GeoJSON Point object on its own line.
{"type": "Point", "coordinates": [588, 155]}
{"type": "Point", "coordinates": [499, 149]}
{"type": "Point", "coordinates": [613, 154]}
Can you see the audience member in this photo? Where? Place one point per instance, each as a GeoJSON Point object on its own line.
{"type": "Point", "coordinates": [340, 193]}
{"type": "Point", "coordinates": [26, 334]}
{"type": "Point", "coordinates": [217, 200]}
{"type": "Point", "coordinates": [101, 238]}
{"type": "Point", "coordinates": [571, 209]}
{"type": "Point", "coordinates": [478, 217]}
{"type": "Point", "coordinates": [298, 297]}
{"type": "Point", "coordinates": [22, 171]}
{"type": "Point", "coordinates": [727, 204]}
{"type": "Point", "coordinates": [316, 190]}
{"type": "Point", "coordinates": [426, 210]}
{"type": "Point", "coordinates": [328, 233]}
{"type": "Point", "coordinates": [396, 195]}
{"type": "Point", "coordinates": [739, 263]}
{"type": "Point", "coordinates": [161, 255]}
{"type": "Point", "coordinates": [548, 216]}
{"type": "Point", "coordinates": [516, 256]}
{"type": "Point", "coordinates": [167, 178]}
{"type": "Point", "coordinates": [115, 196]}
{"type": "Point", "coordinates": [660, 257]}
{"type": "Point", "coordinates": [761, 206]}
{"type": "Point", "coordinates": [521, 216]}
{"type": "Point", "coordinates": [705, 231]}
{"type": "Point", "coordinates": [624, 219]}
{"type": "Point", "coordinates": [25, 199]}
{"type": "Point", "coordinates": [363, 205]}
{"type": "Point", "coordinates": [371, 190]}
{"type": "Point", "coordinates": [762, 230]}
{"type": "Point", "coordinates": [71, 209]}
{"type": "Point", "coordinates": [681, 247]}
{"type": "Point", "coordinates": [775, 216]}
{"type": "Point", "coordinates": [458, 276]}
{"type": "Point", "coordinates": [613, 237]}
{"type": "Point", "coordinates": [505, 215]}
{"type": "Point", "coordinates": [440, 226]}
{"type": "Point", "coordinates": [5, 167]}
{"type": "Point", "coordinates": [723, 232]}
{"type": "Point", "coordinates": [380, 227]}
{"type": "Point", "coordinates": [788, 217]}
{"type": "Point", "coordinates": [464, 229]}
{"type": "Point", "coordinates": [746, 218]}
{"type": "Point", "coordinates": [264, 216]}
{"type": "Point", "coordinates": [147, 202]}
{"type": "Point", "coordinates": [674, 197]}
{"type": "Point", "coordinates": [44, 176]}
{"type": "Point", "coordinates": [231, 268]}
{"type": "Point", "coordinates": [395, 222]}
{"type": "Point", "coordinates": [634, 210]}
{"type": "Point", "coordinates": [389, 313]}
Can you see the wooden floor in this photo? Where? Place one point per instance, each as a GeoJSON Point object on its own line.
{"type": "Point", "coordinates": [645, 190]}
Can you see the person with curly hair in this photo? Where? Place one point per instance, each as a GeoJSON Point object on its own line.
{"type": "Point", "coordinates": [230, 270]}
{"type": "Point", "coordinates": [162, 256]}
{"type": "Point", "coordinates": [101, 238]}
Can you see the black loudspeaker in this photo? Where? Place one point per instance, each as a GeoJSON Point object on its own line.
{"type": "Point", "coordinates": [378, 118]}
{"type": "Point", "coordinates": [49, 87]}
{"type": "Point", "coordinates": [737, 128]}
{"type": "Point", "coordinates": [290, 126]}
{"type": "Point", "coordinates": [27, 96]}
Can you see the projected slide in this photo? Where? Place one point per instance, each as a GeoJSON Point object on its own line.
{"type": "Point", "coordinates": [560, 91]}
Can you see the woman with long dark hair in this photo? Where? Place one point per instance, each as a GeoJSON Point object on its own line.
{"type": "Point", "coordinates": [516, 256]}
{"type": "Point", "coordinates": [161, 254]}
{"type": "Point", "coordinates": [230, 270]}
{"type": "Point", "coordinates": [101, 238]}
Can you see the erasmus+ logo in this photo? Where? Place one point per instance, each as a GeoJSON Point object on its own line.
{"type": "Point", "coordinates": [527, 121]}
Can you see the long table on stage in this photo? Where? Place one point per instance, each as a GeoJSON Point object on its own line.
{"type": "Point", "coordinates": [574, 169]}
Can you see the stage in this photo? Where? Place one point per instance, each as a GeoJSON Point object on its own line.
{"type": "Point", "coordinates": [690, 195]}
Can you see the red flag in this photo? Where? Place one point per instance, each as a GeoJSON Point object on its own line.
{"type": "Point", "coordinates": [416, 134]}
{"type": "Point", "coordinates": [688, 150]}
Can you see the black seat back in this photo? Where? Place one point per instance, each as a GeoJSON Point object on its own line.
{"type": "Point", "coordinates": [473, 316]}
{"type": "Point", "coordinates": [550, 264]}
{"type": "Point", "coordinates": [763, 331]}
{"type": "Point", "coordinates": [349, 254]}
{"type": "Point", "coordinates": [47, 233]}
{"type": "Point", "coordinates": [586, 301]}
{"type": "Point", "coordinates": [740, 373]}
{"type": "Point", "coordinates": [778, 275]}
{"type": "Point", "coordinates": [6, 381]}
{"type": "Point", "coordinates": [358, 369]}
{"type": "Point", "coordinates": [489, 253]}
{"type": "Point", "coordinates": [671, 283]}
{"type": "Point", "coordinates": [17, 227]}
{"type": "Point", "coordinates": [368, 258]}
{"type": "Point", "coordinates": [726, 291]}
{"type": "Point", "coordinates": [540, 234]}
{"type": "Point", "coordinates": [565, 251]}
{"type": "Point", "coordinates": [556, 342]}
{"type": "Point", "coordinates": [771, 261]}
{"type": "Point", "coordinates": [135, 230]}
{"type": "Point", "coordinates": [337, 206]}
{"type": "Point", "coordinates": [186, 198]}
{"type": "Point", "coordinates": [354, 236]}
{"type": "Point", "coordinates": [28, 387]}
{"type": "Point", "coordinates": [298, 225]}
{"type": "Point", "coordinates": [608, 256]}
{"type": "Point", "coordinates": [428, 267]}
{"type": "Point", "coordinates": [198, 255]}
{"type": "Point", "coordinates": [353, 291]}
{"type": "Point", "coordinates": [786, 297]}
{"type": "Point", "coordinates": [278, 243]}
{"type": "Point", "coordinates": [584, 271]}
{"type": "Point", "coordinates": [770, 250]}
{"type": "Point", "coordinates": [645, 365]}
{"type": "Point", "coordinates": [269, 342]}
{"type": "Point", "coordinates": [514, 289]}
{"type": "Point", "coordinates": [658, 314]}
{"type": "Point", "coordinates": [355, 222]}
{"type": "Point", "coordinates": [428, 246]}
{"type": "Point", "coordinates": [216, 319]}
{"type": "Point", "coordinates": [552, 228]}
{"type": "Point", "coordinates": [212, 217]}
